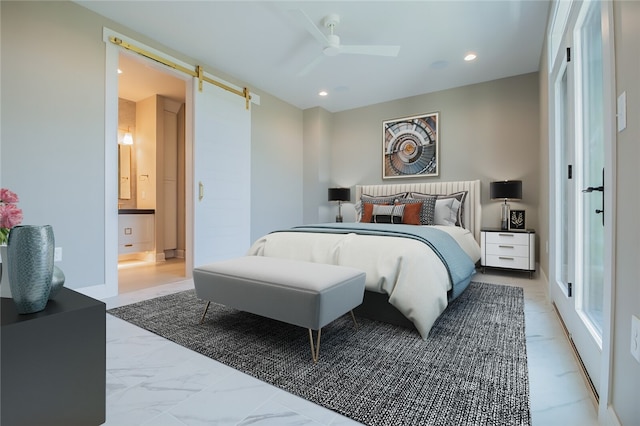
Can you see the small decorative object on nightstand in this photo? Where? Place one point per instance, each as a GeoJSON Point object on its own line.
{"type": "Point", "coordinates": [516, 219]}
{"type": "Point", "coordinates": [339, 195]}
{"type": "Point", "coordinates": [514, 249]}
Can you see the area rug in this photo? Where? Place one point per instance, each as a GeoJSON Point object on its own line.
{"type": "Point", "coordinates": [472, 369]}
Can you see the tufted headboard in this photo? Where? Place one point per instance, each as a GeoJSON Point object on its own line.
{"type": "Point", "coordinates": [472, 206]}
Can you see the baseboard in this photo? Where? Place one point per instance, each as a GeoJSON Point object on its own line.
{"type": "Point", "coordinates": [611, 418]}
{"type": "Point", "coordinates": [144, 256]}
{"type": "Point", "coordinates": [583, 368]}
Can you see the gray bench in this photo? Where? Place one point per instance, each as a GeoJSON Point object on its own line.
{"type": "Point", "coordinates": [309, 295]}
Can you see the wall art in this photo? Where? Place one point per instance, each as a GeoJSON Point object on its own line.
{"type": "Point", "coordinates": [411, 146]}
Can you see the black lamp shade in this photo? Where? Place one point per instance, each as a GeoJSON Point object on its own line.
{"type": "Point", "coordinates": [506, 190]}
{"type": "Point", "coordinates": [339, 194]}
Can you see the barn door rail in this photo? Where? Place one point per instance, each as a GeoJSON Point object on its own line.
{"type": "Point", "coordinates": [198, 72]}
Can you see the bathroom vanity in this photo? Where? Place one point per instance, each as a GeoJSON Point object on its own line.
{"type": "Point", "coordinates": [136, 230]}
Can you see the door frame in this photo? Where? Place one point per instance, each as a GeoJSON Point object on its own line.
{"type": "Point", "coordinates": [110, 286]}
{"type": "Point", "coordinates": [610, 194]}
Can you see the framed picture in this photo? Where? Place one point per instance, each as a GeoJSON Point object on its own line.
{"type": "Point", "coordinates": [516, 219]}
{"type": "Point", "coordinates": [410, 146]}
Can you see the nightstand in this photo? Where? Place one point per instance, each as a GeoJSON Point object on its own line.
{"type": "Point", "coordinates": [512, 249]}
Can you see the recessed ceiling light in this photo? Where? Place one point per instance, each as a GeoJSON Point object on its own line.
{"type": "Point", "coordinates": [470, 57]}
{"type": "Point", "coordinates": [119, 71]}
{"type": "Point", "coordinates": [323, 93]}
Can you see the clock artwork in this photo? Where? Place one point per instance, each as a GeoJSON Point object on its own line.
{"type": "Point", "coordinates": [410, 146]}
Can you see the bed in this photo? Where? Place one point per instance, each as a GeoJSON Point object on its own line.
{"type": "Point", "coordinates": [413, 270]}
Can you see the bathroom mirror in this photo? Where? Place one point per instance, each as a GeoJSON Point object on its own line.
{"type": "Point", "coordinates": [124, 172]}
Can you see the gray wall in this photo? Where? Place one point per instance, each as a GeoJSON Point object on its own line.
{"type": "Point", "coordinates": [625, 390]}
{"type": "Point", "coordinates": [53, 127]}
{"type": "Point", "coordinates": [317, 164]}
{"type": "Point", "coordinates": [276, 166]}
{"type": "Point", "coordinates": [53, 109]}
{"type": "Point", "coordinates": [488, 131]}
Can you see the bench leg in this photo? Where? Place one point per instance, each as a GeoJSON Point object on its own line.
{"type": "Point", "coordinates": [315, 349]}
{"type": "Point", "coordinates": [206, 308]}
{"type": "Point", "coordinates": [355, 323]}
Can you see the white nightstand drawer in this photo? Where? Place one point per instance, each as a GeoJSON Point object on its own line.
{"type": "Point", "coordinates": [512, 262]}
{"type": "Point", "coordinates": [507, 238]}
{"type": "Point", "coordinates": [508, 249]}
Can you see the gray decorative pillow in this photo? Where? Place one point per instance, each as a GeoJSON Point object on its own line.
{"type": "Point", "coordinates": [427, 213]}
{"type": "Point", "coordinates": [387, 214]}
{"type": "Point", "coordinates": [460, 196]}
{"type": "Point", "coordinates": [376, 199]}
{"type": "Point", "coordinates": [382, 199]}
{"type": "Point", "coordinates": [447, 211]}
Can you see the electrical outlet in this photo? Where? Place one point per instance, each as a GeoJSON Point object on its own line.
{"type": "Point", "coordinates": [57, 254]}
{"type": "Point", "coordinates": [635, 337]}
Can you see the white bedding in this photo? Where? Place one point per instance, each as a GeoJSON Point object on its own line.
{"type": "Point", "coordinates": [414, 277]}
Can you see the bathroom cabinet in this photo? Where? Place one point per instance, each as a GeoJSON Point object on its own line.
{"type": "Point", "coordinates": [136, 232]}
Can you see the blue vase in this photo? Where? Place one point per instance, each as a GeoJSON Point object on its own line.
{"type": "Point", "coordinates": [57, 282]}
{"type": "Point", "coordinates": [31, 249]}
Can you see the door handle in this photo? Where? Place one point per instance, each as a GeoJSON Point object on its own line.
{"type": "Point", "coordinates": [594, 188]}
{"type": "Point", "coordinates": [598, 189]}
{"type": "Point", "coordinates": [200, 191]}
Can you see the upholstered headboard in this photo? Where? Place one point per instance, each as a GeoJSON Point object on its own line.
{"type": "Point", "coordinates": [472, 206]}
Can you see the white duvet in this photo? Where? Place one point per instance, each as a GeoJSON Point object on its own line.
{"type": "Point", "coordinates": [407, 270]}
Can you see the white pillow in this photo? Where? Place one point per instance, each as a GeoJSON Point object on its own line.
{"type": "Point", "coordinates": [446, 211]}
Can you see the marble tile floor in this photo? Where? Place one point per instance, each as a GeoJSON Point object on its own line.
{"type": "Point", "coordinates": [151, 381]}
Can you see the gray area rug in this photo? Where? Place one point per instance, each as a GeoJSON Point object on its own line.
{"type": "Point", "coordinates": [472, 369]}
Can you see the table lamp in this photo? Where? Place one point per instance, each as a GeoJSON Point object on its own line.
{"type": "Point", "coordinates": [505, 190]}
{"type": "Point", "coordinates": [339, 195]}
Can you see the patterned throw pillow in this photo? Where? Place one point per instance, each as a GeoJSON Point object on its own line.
{"type": "Point", "coordinates": [460, 196]}
{"type": "Point", "coordinates": [364, 212]}
{"type": "Point", "coordinates": [383, 213]}
{"type": "Point", "coordinates": [428, 206]}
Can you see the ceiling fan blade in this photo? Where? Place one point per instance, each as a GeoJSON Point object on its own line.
{"type": "Point", "coordinates": [311, 65]}
{"type": "Point", "coordinates": [376, 50]}
{"type": "Point", "coordinates": [308, 25]}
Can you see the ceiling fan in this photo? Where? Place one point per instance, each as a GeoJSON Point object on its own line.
{"type": "Point", "coordinates": [331, 42]}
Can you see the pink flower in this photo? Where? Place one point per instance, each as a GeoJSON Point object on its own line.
{"type": "Point", "coordinates": [7, 196]}
{"type": "Point", "coordinates": [10, 214]}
